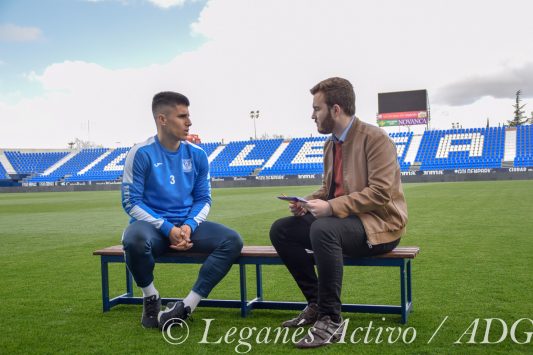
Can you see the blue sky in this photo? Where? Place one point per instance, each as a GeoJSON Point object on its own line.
{"type": "Point", "coordinates": [114, 34]}
{"type": "Point", "coordinates": [66, 65]}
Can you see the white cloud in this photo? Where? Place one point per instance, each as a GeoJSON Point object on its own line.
{"type": "Point", "coordinates": [167, 3]}
{"type": "Point", "coordinates": [266, 56]}
{"type": "Point", "coordinates": [14, 33]}
{"type": "Point", "coordinates": [502, 84]}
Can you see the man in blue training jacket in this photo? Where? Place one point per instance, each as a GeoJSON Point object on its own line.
{"type": "Point", "coordinates": [166, 190]}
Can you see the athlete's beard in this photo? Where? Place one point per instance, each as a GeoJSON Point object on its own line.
{"type": "Point", "coordinates": [327, 124]}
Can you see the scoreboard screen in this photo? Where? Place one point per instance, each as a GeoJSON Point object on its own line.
{"type": "Point", "coordinates": [403, 108]}
{"type": "Point", "coordinates": [403, 101]}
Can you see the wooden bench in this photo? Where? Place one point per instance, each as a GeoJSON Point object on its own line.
{"type": "Point", "coordinates": [265, 255]}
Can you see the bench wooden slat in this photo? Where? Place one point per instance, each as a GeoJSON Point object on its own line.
{"type": "Point", "coordinates": [268, 252]}
{"type": "Point", "coordinates": [115, 250]}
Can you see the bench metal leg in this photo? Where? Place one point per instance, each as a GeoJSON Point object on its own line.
{"type": "Point", "coordinates": [409, 292]}
{"type": "Point", "coordinates": [129, 283]}
{"type": "Point", "coordinates": [105, 284]}
{"type": "Point", "coordinates": [403, 292]}
{"type": "Point", "coordinates": [242, 276]}
{"type": "Point", "coordinates": [259, 281]}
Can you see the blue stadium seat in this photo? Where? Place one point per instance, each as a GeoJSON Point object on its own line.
{"type": "Point", "coordinates": [438, 150]}
{"type": "Point", "coordinates": [241, 158]}
{"type": "Point", "coordinates": [403, 142]}
{"type": "Point", "coordinates": [34, 162]}
{"type": "Point", "coordinates": [72, 166]}
{"type": "Point", "coordinates": [110, 168]}
{"type": "Point", "coordinates": [524, 146]}
{"type": "Point", "coordinates": [301, 156]}
{"type": "Point", "coordinates": [3, 173]}
{"type": "Point", "coordinates": [461, 148]}
{"type": "Point", "coordinates": [209, 148]}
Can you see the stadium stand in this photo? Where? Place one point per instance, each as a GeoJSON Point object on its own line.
{"type": "Point", "coordinates": [450, 149]}
{"type": "Point", "coordinates": [3, 173]}
{"type": "Point", "coordinates": [301, 156]}
{"type": "Point", "coordinates": [462, 148]}
{"type": "Point", "coordinates": [403, 142]}
{"type": "Point", "coordinates": [209, 148]}
{"type": "Point", "coordinates": [241, 158]}
{"type": "Point", "coordinates": [524, 146]}
{"type": "Point", "coordinates": [34, 162]}
{"type": "Point", "coordinates": [107, 167]}
{"type": "Point", "coordinates": [72, 166]}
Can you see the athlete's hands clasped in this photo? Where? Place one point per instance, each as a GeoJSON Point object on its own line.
{"type": "Point", "coordinates": [180, 238]}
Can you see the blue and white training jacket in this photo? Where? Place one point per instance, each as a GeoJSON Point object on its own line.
{"type": "Point", "coordinates": [166, 188]}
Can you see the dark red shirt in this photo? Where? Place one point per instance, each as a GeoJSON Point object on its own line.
{"type": "Point", "coordinates": [337, 170]}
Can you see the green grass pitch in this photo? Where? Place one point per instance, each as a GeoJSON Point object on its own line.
{"type": "Point", "coordinates": [476, 262]}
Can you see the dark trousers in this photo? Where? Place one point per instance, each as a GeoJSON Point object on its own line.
{"type": "Point", "coordinates": [143, 243]}
{"type": "Point", "coordinates": [329, 238]}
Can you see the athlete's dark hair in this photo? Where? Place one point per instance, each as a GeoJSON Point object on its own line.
{"type": "Point", "coordinates": [167, 98]}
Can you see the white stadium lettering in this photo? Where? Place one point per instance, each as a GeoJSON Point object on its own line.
{"type": "Point", "coordinates": [240, 159]}
{"type": "Point", "coordinates": [474, 147]}
{"type": "Point", "coordinates": [113, 165]}
{"type": "Point", "coordinates": [311, 152]}
{"type": "Point", "coordinates": [401, 144]}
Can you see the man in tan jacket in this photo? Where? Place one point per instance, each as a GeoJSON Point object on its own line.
{"type": "Point", "coordinates": [360, 210]}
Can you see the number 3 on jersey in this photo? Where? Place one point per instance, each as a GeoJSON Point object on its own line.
{"type": "Point", "coordinates": [172, 180]}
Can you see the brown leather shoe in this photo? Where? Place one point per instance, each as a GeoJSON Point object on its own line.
{"type": "Point", "coordinates": [308, 316]}
{"type": "Point", "coordinates": [323, 332]}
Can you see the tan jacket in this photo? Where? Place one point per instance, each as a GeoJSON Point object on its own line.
{"type": "Point", "coordinates": [371, 177]}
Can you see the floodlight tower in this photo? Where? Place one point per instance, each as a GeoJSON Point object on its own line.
{"type": "Point", "coordinates": [254, 115]}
